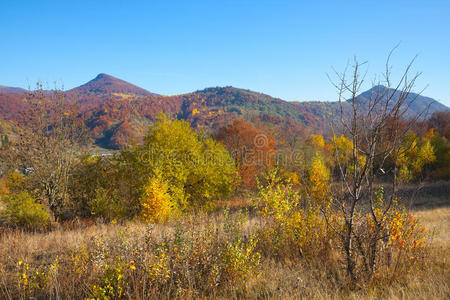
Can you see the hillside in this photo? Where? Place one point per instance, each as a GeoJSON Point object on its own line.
{"type": "Point", "coordinates": [117, 111]}
{"type": "Point", "coordinates": [11, 90]}
{"type": "Point", "coordinates": [417, 104]}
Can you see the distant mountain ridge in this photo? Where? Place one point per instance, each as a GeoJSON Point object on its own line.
{"type": "Point", "coordinates": [12, 90]}
{"type": "Point", "coordinates": [117, 111]}
{"type": "Point", "coordinates": [417, 104]}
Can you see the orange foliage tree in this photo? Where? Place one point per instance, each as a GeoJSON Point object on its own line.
{"type": "Point", "coordinates": [252, 148]}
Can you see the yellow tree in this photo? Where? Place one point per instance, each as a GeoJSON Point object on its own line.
{"type": "Point", "coordinates": [416, 154]}
{"type": "Point", "coordinates": [319, 177]}
{"type": "Point", "coordinates": [317, 140]}
{"type": "Point", "coordinates": [177, 168]}
{"type": "Point", "coordinates": [157, 205]}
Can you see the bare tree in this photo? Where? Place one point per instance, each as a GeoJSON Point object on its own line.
{"type": "Point", "coordinates": [376, 127]}
{"type": "Point", "coordinates": [50, 137]}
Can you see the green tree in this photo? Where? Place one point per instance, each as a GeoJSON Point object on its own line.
{"type": "Point", "coordinates": [102, 187]}
{"type": "Point", "coordinates": [195, 168]}
{"type": "Point", "coordinates": [22, 210]}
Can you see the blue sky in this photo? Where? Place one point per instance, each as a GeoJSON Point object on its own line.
{"type": "Point", "coordinates": [282, 48]}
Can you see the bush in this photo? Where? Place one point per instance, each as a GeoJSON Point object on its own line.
{"type": "Point", "coordinates": [107, 205]}
{"type": "Point", "coordinates": [174, 170]}
{"type": "Point", "coordinates": [11, 182]}
{"type": "Point", "coordinates": [89, 175]}
{"type": "Point", "coordinates": [22, 210]}
{"type": "Point", "coordinates": [292, 227]}
{"type": "Point", "coordinates": [415, 157]}
{"type": "Point", "coordinates": [101, 187]}
{"type": "Point", "coordinates": [195, 168]}
{"type": "Point", "coordinates": [156, 203]}
{"type": "Point", "coordinates": [319, 177]}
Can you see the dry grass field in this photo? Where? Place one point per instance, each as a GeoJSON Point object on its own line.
{"type": "Point", "coordinates": [70, 262]}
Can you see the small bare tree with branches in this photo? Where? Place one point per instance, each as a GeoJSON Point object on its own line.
{"type": "Point", "coordinates": [376, 127]}
{"type": "Point", "coordinates": [50, 136]}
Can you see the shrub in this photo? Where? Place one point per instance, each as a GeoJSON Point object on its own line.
{"type": "Point", "coordinates": [22, 210]}
{"type": "Point", "coordinates": [107, 204]}
{"type": "Point", "coordinates": [175, 169]}
{"type": "Point", "coordinates": [34, 281]}
{"type": "Point", "coordinates": [195, 168]}
{"type": "Point", "coordinates": [239, 255]}
{"type": "Point", "coordinates": [276, 199]}
{"type": "Point", "coordinates": [89, 174]}
{"type": "Point", "coordinates": [319, 177]}
{"type": "Point", "coordinates": [416, 154]}
{"type": "Point", "coordinates": [103, 187]}
{"type": "Point", "coordinates": [156, 202]}
{"type": "Point", "coordinates": [10, 183]}
{"type": "Point", "coordinates": [292, 228]}
{"type": "Point", "coordinates": [112, 283]}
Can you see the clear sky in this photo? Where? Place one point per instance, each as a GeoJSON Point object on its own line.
{"type": "Point", "coordinates": [282, 48]}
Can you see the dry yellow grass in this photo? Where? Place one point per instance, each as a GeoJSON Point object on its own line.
{"type": "Point", "coordinates": [438, 222]}
{"type": "Point", "coordinates": [272, 279]}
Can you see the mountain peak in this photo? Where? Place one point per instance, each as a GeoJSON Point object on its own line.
{"type": "Point", "coordinates": [416, 103]}
{"type": "Point", "coordinates": [106, 84]}
{"type": "Point", "coordinates": [104, 76]}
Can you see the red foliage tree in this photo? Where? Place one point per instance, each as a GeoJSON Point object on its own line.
{"type": "Point", "coordinates": [252, 148]}
{"type": "Point", "coordinates": [440, 121]}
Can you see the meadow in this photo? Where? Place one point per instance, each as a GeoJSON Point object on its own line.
{"type": "Point", "coordinates": [206, 255]}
